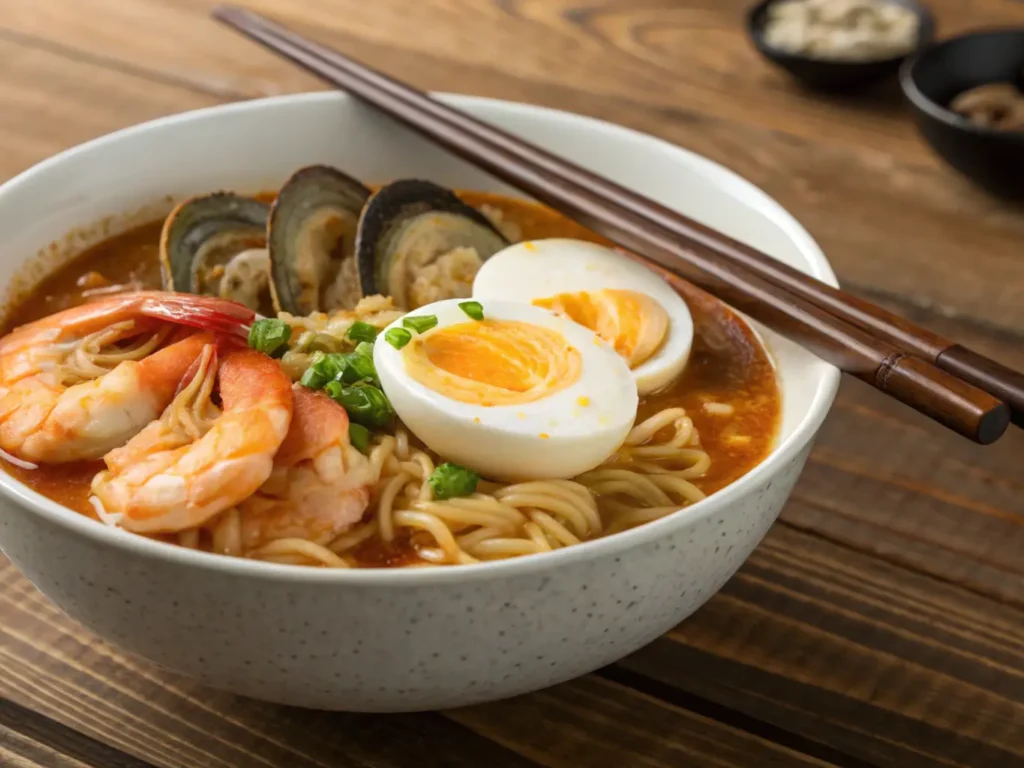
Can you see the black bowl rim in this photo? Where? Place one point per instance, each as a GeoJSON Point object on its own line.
{"type": "Point", "coordinates": [925, 36]}
{"type": "Point", "coordinates": [938, 111]}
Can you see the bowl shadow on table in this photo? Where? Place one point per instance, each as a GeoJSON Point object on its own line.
{"type": "Point", "coordinates": [882, 98]}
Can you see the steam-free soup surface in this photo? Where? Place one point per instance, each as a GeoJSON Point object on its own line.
{"type": "Point", "coordinates": [729, 388]}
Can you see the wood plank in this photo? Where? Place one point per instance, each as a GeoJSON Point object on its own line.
{"type": "Point", "coordinates": [50, 664]}
{"type": "Point", "coordinates": [620, 727]}
{"type": "Point", "coordinates": [620, 48]}
{"type": "Point", "coordinates": [886, 481]}
{"type": "Point", "coordinates": [894, 486]}
{"type": "Point", "coordinates": [852, 171]}
{"type": "Point", "coordinates": [890, 667]}
{"type": "Point", "coordinates": [30, 739]}
{"type": "Point", "coordinates": [52, 102]}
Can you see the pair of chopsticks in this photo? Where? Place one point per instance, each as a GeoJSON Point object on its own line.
{"type": "Point", "coordinates": [969, 393]}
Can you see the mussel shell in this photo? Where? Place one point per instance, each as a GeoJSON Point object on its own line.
{"type": "Point", "coordinates": [205, 232]}
{"type": "Point", "coordinates": [411, 213]}
{"type": "Point", "coordinates": [316, 211]}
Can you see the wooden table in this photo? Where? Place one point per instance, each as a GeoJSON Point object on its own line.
{"type": "Point", "coordinates": [881, 623]}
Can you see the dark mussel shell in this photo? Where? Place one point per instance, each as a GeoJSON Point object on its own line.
{"type": "Point", "coordinates": [202, 234]}
{"type": "Point", "coordinates": [312, 229]}
{"type": "Point", "coordinates": [417, 220]}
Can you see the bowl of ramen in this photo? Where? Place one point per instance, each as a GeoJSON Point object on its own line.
{"type": "Point", "coordinates": [298, 405]}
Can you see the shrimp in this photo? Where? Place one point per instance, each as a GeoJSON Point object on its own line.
{"type": "Point", "coordinates": [198, 460]}
{"type": "Point", "coordinates": [79, 383]}
{"type": "Point", "coordinates": [320, 485]}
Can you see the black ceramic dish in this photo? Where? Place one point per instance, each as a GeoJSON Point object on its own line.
{"type": "Point", "coordinates": [825, 74]}
{"type": "Point", "coordinates": [991, 158]}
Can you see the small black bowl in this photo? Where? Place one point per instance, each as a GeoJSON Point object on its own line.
{"type": "Point", "coordinates": [992, 159]}
{"type": "Point", "coordinates": [825, 74]}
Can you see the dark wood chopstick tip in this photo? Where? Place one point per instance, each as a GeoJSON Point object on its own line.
{"type": "Point", "coordinates": [992, 376]}
{"type": "Point", "coordinates": [993, 425]}
{"type": "Point", "coordinates": [946, 399]}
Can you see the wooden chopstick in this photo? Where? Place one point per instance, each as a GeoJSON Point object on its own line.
{"type": "Point", "coordinates": [955, 403]}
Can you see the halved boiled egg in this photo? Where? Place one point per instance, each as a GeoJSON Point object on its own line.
{"type": "Point", "coordinates": [520, 394]}
{"type": "Point", "coordinates": [625, 303]}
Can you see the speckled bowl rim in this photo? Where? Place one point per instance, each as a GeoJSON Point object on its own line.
{"type": "Point", "coordinates": [75, 523]}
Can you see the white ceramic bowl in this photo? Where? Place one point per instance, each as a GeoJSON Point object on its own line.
{"type": "Point", "coordinates": [388, 640]}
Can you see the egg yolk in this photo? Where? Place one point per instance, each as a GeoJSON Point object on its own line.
{"type": "Point", "coordinates": [493, 362]}
{"type": "Point", "coordinates": [634, 323]}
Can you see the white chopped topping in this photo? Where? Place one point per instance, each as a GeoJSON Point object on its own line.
{"type": "Point", "coordinates": [105, 517]}
{"type": "Point", "coordinates": [718, 409]}
{"type": "Point", "coordinates": [16, 461]}
{"type": "Point", "coordinates": [737, 439]}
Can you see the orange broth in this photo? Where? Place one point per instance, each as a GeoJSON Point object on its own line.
{"type": "Point", "coordinates": [727, 364]}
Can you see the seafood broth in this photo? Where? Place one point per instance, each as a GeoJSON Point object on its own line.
{"type": "Point", "coordinates": [728, 389]}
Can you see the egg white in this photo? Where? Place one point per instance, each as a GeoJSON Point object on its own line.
{"type": "Point", "coordinates": [539, 269]}
{"type": "Point", "coordinates": [504, 442]}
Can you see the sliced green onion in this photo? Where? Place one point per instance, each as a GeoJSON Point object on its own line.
{"type": "Point", "coordinates": [359, 367]}
{"type": "Point", "coordinates": [359, 436]}
{"type": "Point", "coordinates": [397, 337]}
{"type": "Point", "coordinates": [360, 331]}
{"type": "Point", "coordinates": [449, 481]}
{"type": "Point", "coordinates": [365, 404]}
{"type": "Point", "coordinates": [472, 308]}
{"type": "Point", "coordinates": [270, 336]}
{"type": "Point", "coordinates": [324, 368]}
{"type": "Point", "coordinates": [420, 323]}
{"type": "Point", "coordinates": [365, 348]}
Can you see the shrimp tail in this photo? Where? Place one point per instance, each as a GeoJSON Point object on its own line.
{"type": "Point", "coordinates": [205, 312]}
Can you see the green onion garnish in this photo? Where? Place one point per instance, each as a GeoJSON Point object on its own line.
{"type": "Point", "coordinates": [270, 336]}
{"type": "Point", "coordinates": [450, 480]}
{"type": "Point", "coordinates": [324, 367]}
{"type": "Point", "coordinates": [365, 348]}
{"type": "Point", "coordinates": [365, 404]}
{"type": "Point", "coordinates": [472, 308]}
{"type": "Point", "coordinates": [420, 323]}
{"type": "Point", "coordinates": [397, 337]}
{"type": "Point", "coordinates": [360, 331]}
{"type": "Point", "coordinates": [359, 436]}
{"type": "Point", "coordinates": [359, 367]}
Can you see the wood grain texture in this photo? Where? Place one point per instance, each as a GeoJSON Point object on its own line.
{"type": "Point", "coordinates": [881, 623]}
{"type": "Point", "coordinates": [889, 666]}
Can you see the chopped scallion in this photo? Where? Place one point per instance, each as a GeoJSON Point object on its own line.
{"type": "Point", "coordinates": [270, 336]}
{"type": "Point", "coordinates": [449, 481]}
{"type": "Point", "coordinates": [323, 368]}
{"type": "Point", "coordinates": [397, 337]}
{"type": "Point", "coordinates": [472, 308]}
{"type": "Point", "coordinates": [359, 436]}
{"type": "Point", "coordinates": [419, 323]}
{"type": "Point", "coordinates": [365, 404]}
{"type": "Point", "coordinates": [359, 367]}
{"type": "Point", "coordinates": [360, 331]}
